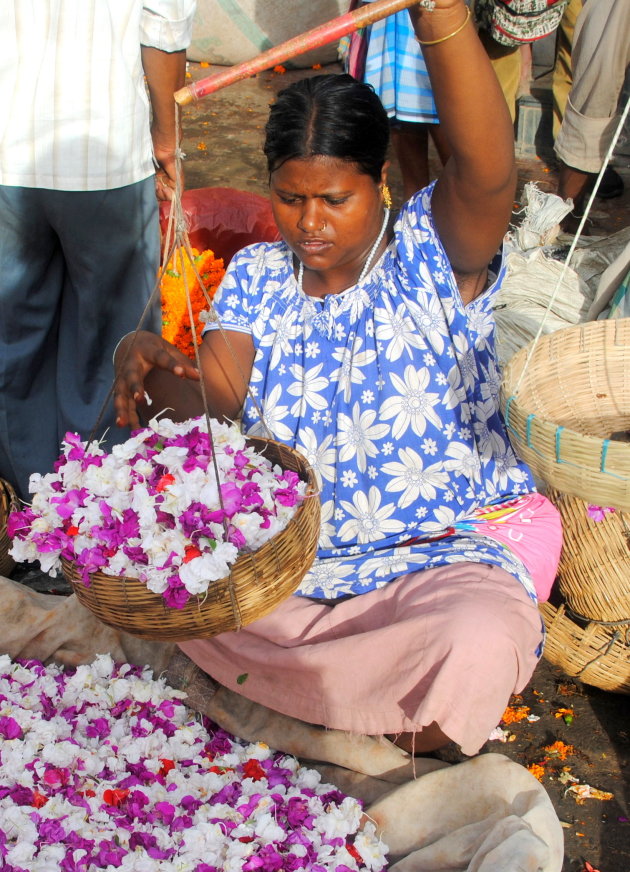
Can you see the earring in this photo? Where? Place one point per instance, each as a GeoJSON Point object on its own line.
{"type": "Point", "coordinates": [387, 196]}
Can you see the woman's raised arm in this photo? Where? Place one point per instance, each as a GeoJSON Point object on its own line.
{"type": "Point", "coordinates": [474, 195]}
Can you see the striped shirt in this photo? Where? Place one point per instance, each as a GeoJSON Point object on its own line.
{"type": "Point", "coordinates": [74, 111]}
{"type": "Point", "coordinates": [395, 68]}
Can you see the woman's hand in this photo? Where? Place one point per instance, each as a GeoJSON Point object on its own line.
{"type": "Point", "coordinates": [138, 355]}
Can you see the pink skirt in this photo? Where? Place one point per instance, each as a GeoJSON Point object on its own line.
{"type": "Point", "coordinates": [446, 645]}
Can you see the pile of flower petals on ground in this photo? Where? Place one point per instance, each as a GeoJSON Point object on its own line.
{"type": "Point", "coordinates": [155, 508]}
{"type": "Point", "coordinates": [104, 768]}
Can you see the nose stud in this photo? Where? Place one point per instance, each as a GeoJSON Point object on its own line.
{"type": "Point", "coordinates": [323, 227]}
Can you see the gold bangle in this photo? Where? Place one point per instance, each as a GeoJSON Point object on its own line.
{"type": "Point", "coordinates": [444, 38]}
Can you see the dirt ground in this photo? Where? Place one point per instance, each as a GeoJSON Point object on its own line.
{"type": "Point", "coordinates": [222, 138]}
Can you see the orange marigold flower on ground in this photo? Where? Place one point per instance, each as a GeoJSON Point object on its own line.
{"type": "Point", "coordinates": [559, 750]}
{"type": "Point", "coordinates": [279, 69]}
{"type": "Point", "coordinates": [515, 713]}
{"type": "Point", "coordinates": [563, 712]}
{"type": "Point", "coordinates": [175, 317]}
{"type": "Point", "coordinates": [537, 770]}
{"type": "Point", "coordinates": [317, 66]}
{"type": "Point", "coordinates": [204, 64]}
{"type": "Point", "coordinates": [201, 146]}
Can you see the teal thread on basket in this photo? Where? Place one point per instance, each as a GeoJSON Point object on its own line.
{"type": "Point", "coordinates": [517, 435]}
{"type": "Point", "coordinates": [507, 411]}
{"type": "Point", "coordinates": [558, 435]}
{"type": "Point", "coordinates": [528, 439]}
{"type": "Point", "coordinates": [528, 430]}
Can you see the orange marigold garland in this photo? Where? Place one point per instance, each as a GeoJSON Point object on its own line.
{"type": "Point", "coordinates": [175, 318]}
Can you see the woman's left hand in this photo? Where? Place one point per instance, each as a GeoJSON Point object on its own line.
{"type": "Point", "coordinates": [138, 356]}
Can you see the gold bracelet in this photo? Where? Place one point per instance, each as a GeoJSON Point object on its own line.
{"type": "Point", "coordinates": [444, 38]}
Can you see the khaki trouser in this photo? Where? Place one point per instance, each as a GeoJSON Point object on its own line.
{"type": "Point", "coordinates": [562, 77]}
{"type": "Point", "coordinates": [506, 63]}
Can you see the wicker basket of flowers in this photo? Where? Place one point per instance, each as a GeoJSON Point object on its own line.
{"type": "Point", "coordinates": [177, 534]}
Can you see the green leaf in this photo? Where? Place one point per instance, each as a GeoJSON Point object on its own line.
{"type": "Point", "coordinates": [242, 678]}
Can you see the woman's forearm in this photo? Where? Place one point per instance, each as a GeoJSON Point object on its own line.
{"type": "Point", "coordinates": [473, 198]}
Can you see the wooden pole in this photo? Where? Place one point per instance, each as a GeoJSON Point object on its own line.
{"type": "Point", "coordinates": [318, 36]}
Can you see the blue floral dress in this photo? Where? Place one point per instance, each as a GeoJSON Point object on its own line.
{"type": "Point", "coordinates": [390, 389]}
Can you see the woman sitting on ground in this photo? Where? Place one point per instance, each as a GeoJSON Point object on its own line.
{"type": "Point", "coordinates": [367, 341]}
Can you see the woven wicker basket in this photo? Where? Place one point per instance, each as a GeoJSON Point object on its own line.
{"type": "Point", "coordinates": [595, 654]}
{"type": "Point", "coordinates": [259, 581]}
{"type": "Point", "coordinates": [594, 571]}
{"type": "Point", "coordinates": [8, 502]}
{"type": "Point", "coordinates": [574, 395]}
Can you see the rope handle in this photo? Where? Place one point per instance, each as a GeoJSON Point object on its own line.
{"type": "Point", "coordinates": [575, 242]}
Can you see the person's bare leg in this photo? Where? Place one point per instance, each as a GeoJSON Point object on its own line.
{"type": "Point", "coordinates": [428, 739]}
{"type": "Point", "coordinates": [411, 144]}
{"type": "Point", "coordinates": [572, 183]}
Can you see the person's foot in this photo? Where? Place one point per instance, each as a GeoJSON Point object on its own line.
{"type": "Point", "coordinates": [611, 185]}
{"type": "Point", "coordinates": [183, 674]}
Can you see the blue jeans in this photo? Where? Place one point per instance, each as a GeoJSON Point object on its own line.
{"type": "Point", "coordinates": [77, 269]}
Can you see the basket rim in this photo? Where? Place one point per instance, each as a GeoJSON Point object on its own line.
{"type": "Point", "coordinates": [554, 449]}
{"type": "Point", "coordinates": [607, 450]}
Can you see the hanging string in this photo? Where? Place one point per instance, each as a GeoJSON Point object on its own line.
{"type": "Point", "coordinates": [574, 244]}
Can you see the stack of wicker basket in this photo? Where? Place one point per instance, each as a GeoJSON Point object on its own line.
{"type": "Point", "coordinates": [8, 501]}
{"type": "Point", "coordinates": [566, 402]}
{"type": "Point", "coordinates": [588, 636]}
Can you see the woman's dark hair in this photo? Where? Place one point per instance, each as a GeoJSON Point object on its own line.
{"type": "Point", "coordinates": [332, 115]}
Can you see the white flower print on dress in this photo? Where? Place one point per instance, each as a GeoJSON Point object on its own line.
{"type": "Point", "coordinates": [351, 371]}
{"type": "Point", "coordinates": [398, 332]}
{"type": "Point", "coordinates": [275, 414]}
{"type": "Point", "coordinates": [285, 329]}
{"type": "Point", "coordinates": [412, 479]}
{"type": "Point", "coordinates": [397, 563]}
{"type": "Point", "coordinates": [320, 454]}
{"type": "Point", "coordinates": [327, 578]}
{"type": "Point", "coordinates": [482, 324]}
{"type": "Point", "coordinates": [466, 360]}
{"type": "Point", "coordinates": [444, 518]}
{"type": "Point", "coordinates": [356, 436]}
{"type": "Point", "coordinates": [414, 405]}
{"type": "Point", "coordinates": [504, 458]}
{"type": "Point", "coordinates": [307, 387]}
{"type": "Point", "coordinates": [369, 520]}
{"type": "Point", "coordinates": [428, 317]}
{"type": "Point", "coordinates": [491, 384]}
{"type": "Point", "coordinates": [327, 528]}
{"type": "Point", "coordinates": [464, 460]}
